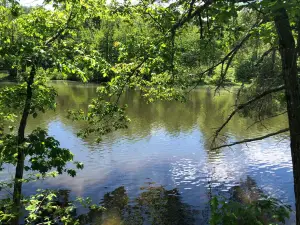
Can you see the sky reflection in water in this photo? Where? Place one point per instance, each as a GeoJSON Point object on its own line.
{"type": "Point", "coordinates": [167, 143]}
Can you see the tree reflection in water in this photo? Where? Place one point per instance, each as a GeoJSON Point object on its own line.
{"type": "Point", "coordinates": [155, 205]}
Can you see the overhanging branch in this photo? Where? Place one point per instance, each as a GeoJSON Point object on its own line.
{"type": "Point", "coordinates": [243, 105]}
{"type": "Point", "coordinates": [252, 139]}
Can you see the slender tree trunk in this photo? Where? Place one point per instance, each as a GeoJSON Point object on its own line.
{"type": "Point", "coordinates": [21, 156]}
{"type": "Point", "coordinates": [298, 31]}
{"type": "Point", "coordinates": [288, 53]}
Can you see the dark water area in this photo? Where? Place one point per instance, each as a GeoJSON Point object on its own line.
{"type": "Point", "coordinates": [161, 165]}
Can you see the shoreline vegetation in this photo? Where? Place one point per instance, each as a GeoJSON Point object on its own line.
{"type": "Point", "coordinates": [5, 77]}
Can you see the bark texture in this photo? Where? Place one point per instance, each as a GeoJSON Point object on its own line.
{"type": "Point", "coordinates": [288, 53]}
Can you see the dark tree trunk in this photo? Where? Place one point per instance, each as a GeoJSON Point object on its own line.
{"type": "Point", "coordinates": [288, 53]}
{"type": "Point", "coordinates": [21, 156]}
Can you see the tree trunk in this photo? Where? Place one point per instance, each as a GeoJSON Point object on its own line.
{"type": "Point", "coordinates": [21, 156]}
{"type": "Point", "coordinates": [288, 53]}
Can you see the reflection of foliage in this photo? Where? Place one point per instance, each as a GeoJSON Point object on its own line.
{"type": "Point", "coordinates": [265, 76]}
{"type": "Point", "coordinates": [155, 205]}
{"type": "Point", "coordinates": [202, 108]}
{"type": "Point", "coordinates": [261, 75]}
{"type": "Point", "coordinates": [248, 206]}
{"type": "Point", "coordinates": [164, 206]}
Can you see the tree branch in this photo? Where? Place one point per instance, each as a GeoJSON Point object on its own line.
{"type": "Point", "coordinates": [191, 15]}
{"type": "Point", "coordinates": [252, 139]}
{"type": "Point", "coordinates": [232, 54]}
{"type": "Point", "coordinates": [266, 53]}
{"type": "Point", "coordinates": [191, 8]}
{"type": "Point", "coordinates": [228, 57]}
{"type": "Point", "coordinates": [155, 20]}
{"type": "Point", "coordinates": [61, 30]}
{"type": "Point", "coordinates": [243, 105]}
{"type": "Point", "coordinates": [298, 39]}
{"type": "Point", "coordinates": [200, 26]}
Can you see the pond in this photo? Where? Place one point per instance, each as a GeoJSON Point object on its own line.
{"type": "Point", "coordinates": [166, 149]}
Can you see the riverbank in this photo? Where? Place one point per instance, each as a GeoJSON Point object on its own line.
{"type": "Point", "coordinates": [4, 77]}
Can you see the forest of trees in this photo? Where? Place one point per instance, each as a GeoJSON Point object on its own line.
{"type": "Point", "coordinates": [163, 48]}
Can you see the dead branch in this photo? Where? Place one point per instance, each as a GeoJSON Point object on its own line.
{"type": "Point", "coordinates": [243, 105]}
{"type": "Point", "coordinates": [252, 139]}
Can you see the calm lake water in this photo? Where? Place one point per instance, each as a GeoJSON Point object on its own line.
{"type": "Point", "coordinates": [162, 161]}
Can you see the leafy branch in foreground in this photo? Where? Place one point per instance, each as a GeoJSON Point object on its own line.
{"type": "Point", "coordinates": [265, 210]}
